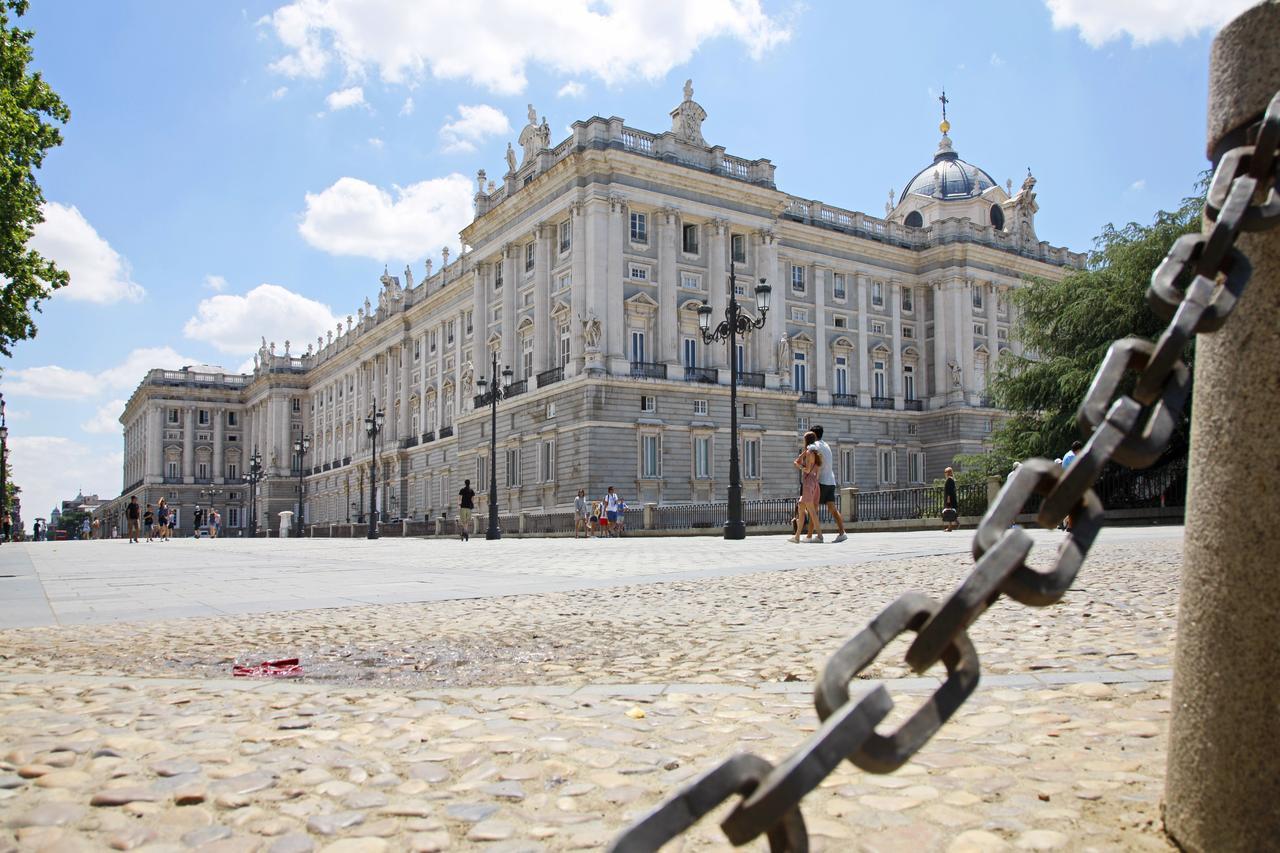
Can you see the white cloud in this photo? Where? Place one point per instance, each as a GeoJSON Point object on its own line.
{"type": "Point", "coordinates": [98, 272]}
{"type": "Point", "coordinates": [1138, 185]}
{"type": "Point", "coordinates": [354, 217]}
{"type": "Point", "coordinates": [406, 109]}
{"type": "Point", "coordinates": [51, 469]}
{"type": "Point", "coordinates": [572, 89]}
{"type": "Point", "coordinates": [375, 142]}
{"type": "Point", "coordinates": [494, 43]}
{"type": "Point", "coordinates": [106, 421]}
{"type": "Point", "coordinates": [279, 93]}
{"type": "Point", "coordinates": [1145, 21]}
{"type": "Point", "coordinates": [236, 324]}
{"type": "Point", "coordinates": [59, 383]}
{"type": "Point", "coordinates": [997, 60]}
{"type": "Point", "coordinates": [216, 283]}
{"type": "Point", "coordinates": [474, 123]}
{"type": "Point", "coordinates": [345, 98]}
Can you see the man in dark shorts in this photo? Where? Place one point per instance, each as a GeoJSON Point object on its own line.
{"type": "Point", "coordinates": [827, 484]}
{"type": "Point", "coordinates": [133, 513]}
{"type": "Point", "coordinates": [149, 521]}
{"type": "Point", "coordinates": [466, 503]}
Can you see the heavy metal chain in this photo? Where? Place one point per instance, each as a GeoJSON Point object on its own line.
{"type": "Point", "coordinates": [1195, 288]}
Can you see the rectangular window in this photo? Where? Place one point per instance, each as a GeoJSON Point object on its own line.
{"type": "Point", "coordinates": [841, 323]}
{"type": "Point", "coordinates": [202, 470]}
{"type": "Point", "coordinates": [513, 466]}
{"type": "Point", "coordinates": [233, 472]}
{"type": "Point", "coordinates": [637, 346]}
{"type": "Point", "coordinates": [529, 250]}
{"type": "Point", "coordinates": [909, 381]}
{"type": "Point", "coordinates": [751, 459]}
{"type": "Point", "coordinates": [689, 239]}
{"type": "Point", "coordinates": [690, 281]}
{"type": "Point", "coordinates": [915, 466]}
{"type": "Point", "coordinates": [690, 352]}
{"type": "Point", "coordinates": [497, 275]}
{"type": "Point", "coordinates": [798, 371]}
{"type": "Point", "coordinates": [297, 405]}
{"type": "Point", "coordinates": [566, 345]}
{"type": "Point", "coordinates": [739, 248]}
{"type": "Point", "coordinates": [878, 383]}
{"type": "Point", "coordinates": [171, 469]}
{"type": "Point", "coordinates": [906, 300]}
{"type": "Point", "coordinates": [980, 329]}
{"type": "Point", "coordinates": [837, 286]}
{"type": "Point", "coordinates": [908, 333]}
{"type": "Point", "coordinates": [431, 341]}
{"type": "Point", "coordinates": [547, 461]}
{"type": "Point", "coordinates": [877, 293]}
{"type": "Point", "coordinates": [702, 457]}
{"type": "Point", "coordinates": [888, 466]}
{"type": "Point", "coordinates": [638, 273]}
{"type": "Point", "coordinates": [232, 419]}
{"type": "Point", "coordinates": [749, 411]}
{"type": "Point", "coordinates": [847, 470]}
{"type": "Point", "coordinates": [566, 235]}
{"type": "Point", "coordinates": [173, 416]}
{"type": "Point", "coordinates": [877, 328]}
{"type": "Point", "coordinates": [799, 315]}
{"type": "Point", "coordinates": [449, 336]}
{"type": "Point", "coordinates": [650, 457]}
{"type": "Point", "coordinates": [977, 297]}
{"type": "Point", "coordinates": [699, 407]}
{"type": "Point", "coordinates": [204, 417]}
{"type": "Point", "coordinates": [551, 408]}
{"type": "Point", "coordinates": [417, 349]}
{"type": "Point", "coordinates": [233, 516]}
{"type": "Point", "coordinates": [742, 359]}
{"type": "Point", "coordinates": [469, 328]}
{"type": "Point", "coordinates": [797, 278]}
{"type": "Point", "coordinates": [1002, 334]}
{"type": "Point", "coordinates": [526, 358]}
{"type": "Point", "coordinates": [482, 473]}
{"type": "Point", "coordinates": [648, 403]}
{"type": "Point", "coordinates": [842, 374]}
{"type": "Point", "coordinates": [564, 282]}
{"type": "Point", "coordinates": [639, 228]}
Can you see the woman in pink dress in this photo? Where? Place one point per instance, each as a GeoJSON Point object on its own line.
{"type": "Point", "coordinates": [809, 461]}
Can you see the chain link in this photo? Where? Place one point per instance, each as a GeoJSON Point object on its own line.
{"type": "Point", "coordinates": [1131, 429]}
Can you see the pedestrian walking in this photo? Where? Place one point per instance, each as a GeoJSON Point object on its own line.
{"type": "Point", "coordinates": [827, 483]}
{"type": "Point", "coordinates": [149, 522]}
{"type": "Point", "coordinates": [581, 514]}
{"type": "Point", "coordinates": [133, 514]}
{"type": "Point", "coordinates": [809, 462]}
{"type": "Point", "coordinates": [466, 503]}
{"type": "Point", "coordinates": [620, 528]}
{"type": "Point", "coordinates": [599, 524]}
{"type": "Point", "coordinates": [950, 502]}
{"type": "Point", "coordinates": [197, 518]}
{"type": "Point", "coordinates": [611, 501]}
{"type": "Point", "coordinates": [215, 523]}
{"type": "Point", "coordinates": [162, 519]}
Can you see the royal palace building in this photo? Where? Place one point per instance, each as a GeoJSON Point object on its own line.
{"type": "Point", "coordinates": [583, 271]}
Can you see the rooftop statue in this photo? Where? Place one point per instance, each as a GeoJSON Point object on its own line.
{"type": "Point", "coordinates": [686, 119]}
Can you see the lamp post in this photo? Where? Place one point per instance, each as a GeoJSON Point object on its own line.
{"type": "Point", "coordinates": [373, 426]}
{"type": "Point", "coordinates": [735, 323]}
{"type": "Point", "coordinates": [4, 447]}
{"type": "Point", "coordinates": [300, 448]}
{"type": "Point", "coordinates": [494, 532]}
{"type": "Point", "coordinates": [254, 476]}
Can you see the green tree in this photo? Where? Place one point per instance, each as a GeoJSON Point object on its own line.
{"type": "Point", "coordinates": [1066, 327]}
{"type": "Point", "coordinates": [30, 112]}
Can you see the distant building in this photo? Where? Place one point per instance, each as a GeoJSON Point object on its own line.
{"type": "Point", "coordinates": [584, 270]}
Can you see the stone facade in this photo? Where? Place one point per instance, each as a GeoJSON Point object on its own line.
{"type": "Point", "coordinates": [583, 273]}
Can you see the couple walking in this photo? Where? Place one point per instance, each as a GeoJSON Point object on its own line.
{"type": "Point", "coordinates": [817, 486]}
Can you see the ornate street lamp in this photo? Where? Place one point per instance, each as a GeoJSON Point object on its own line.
{"type": "Point", "coordinates": [735, 323]}
{"type": "Point", "coordinates": [254, 476]}
{"type": "Point", "coordinates": [373, 426]}
{"type": "Point", "coordinates": [494, 532]}
{"type": "Point", "coordinates": [300, 448]}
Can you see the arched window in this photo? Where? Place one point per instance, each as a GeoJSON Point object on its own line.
{"type": "Point", "coordinates": [914, 219]}
{"type": "Point", "coordinates": [997, 216]}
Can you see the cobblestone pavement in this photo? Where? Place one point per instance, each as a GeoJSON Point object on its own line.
{"type": "Point", "coordinates": [549, 721]}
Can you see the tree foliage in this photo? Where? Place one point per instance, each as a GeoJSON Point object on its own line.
{"type": "Point", "coordinates": [30, 115]}
{"type": "Point", "coordinates": [1066, 327]}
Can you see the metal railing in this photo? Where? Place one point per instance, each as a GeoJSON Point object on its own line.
{"type": "Point", "coordinates": [648, 370]}
{"type": "Point", "coordinates": [918, 502]}
{"type": "Point", "coordinates": [446, 431]}
{"type": "Point", "coordinates": [847, 400]}
{"type": "Point", "coordinates": [882, 402]}
{"type": "Point", "coordinates": [550, 377]}
{"type": "Point", "coordinates": [707, 375]}
{"type": "Point", "coordinates": [512, 390]}
{"type": "Point", "coordinates": [751, 380]}
{"type": "Point", "coordinates": [428, 436]}
{"type": "Point", "coordinates": [808, 397]}
{"type": "Point", "coordinates": [913, 405]}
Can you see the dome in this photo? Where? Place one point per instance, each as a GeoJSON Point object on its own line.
{"type": "Point", "coordinates": [948, 177]}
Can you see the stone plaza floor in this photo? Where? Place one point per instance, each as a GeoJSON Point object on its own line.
{"type": "Point", "coordinates": [540, 694]}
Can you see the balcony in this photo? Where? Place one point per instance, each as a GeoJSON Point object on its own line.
{"type": "Point", "coordinates": [479, 402]}
{"type": "Point", "coordinates": [346, 460]}
{"type": "Point", "coordinates": [428, 437]}
{"type": "Point", "coordinates": [751, 380]}
{"type": "Point", "coordinates": [808, 397]}
{"type": "Point", "coordinates": [648, 370]}
{"type": "Point", "coordinates": [705, 375]}
{"type": "Point", "coordinates": [848, 401]}
{"type": "Point", "coordinates": [411, 441]}
{"type": "Point", "coordinates": [985, 402]}
{"type": "Point", "coordinates": [913, 405]}
{"type": "Point", "coordinates": [514, 389]}
{"type": "Point", "coordinates": [550, 377]}
{"type": "Point", "coordinates": [882, 402]}
{"type": "Point", "coordinates": [326, 466]}
{"type": "Point", "coordinates": [445, 432]}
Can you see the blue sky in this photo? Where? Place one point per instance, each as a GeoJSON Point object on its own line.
{"type": "Point", "coordinates": [231, 172]}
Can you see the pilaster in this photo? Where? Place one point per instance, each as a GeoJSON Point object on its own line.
{"type": "Point", "coordinates": [668, 318]}
{"type": "Point", "coordinates": [864, 353]}
{"type": "Point", "coordinates": [717, 284]}
{"type": "Point", "coordinates": [895, 310]}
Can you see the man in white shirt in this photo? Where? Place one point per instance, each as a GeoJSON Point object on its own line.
{"type": "Point", "coordinates": [827, 482]}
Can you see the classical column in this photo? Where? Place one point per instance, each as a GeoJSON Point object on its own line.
{"type": "Point", "coordinates": [668, 319]}
{"type": "Point", "coordinates": [482, 284]}
{"type": "Point", "coordinates": [993, 331]}
{"type": "Point", "coordinates": [821, 367]}
{"type": "Point", "coordinates": [509, 288]}
{"type": "Point", "coordinates": [864, 354]}
{"type": "Point", "coordinates": [440, 365]}
{"type": "Point", "coordinates": [219, 419]}
{"type": "Point", "coordinates": [188, 444]}
{"type": "Point", "coordinates": [543, 339]}
{"type": "Point", "coordinates": [1223, 781]}
{"type": "Point", "coordinates": [717, 287]}
{"type": "Point", "coordinates": [966, 335]}
{"type": "Point", "coordinates": [776, 324]}
{"type": "Point", "coordinates": [457, 368]}
{"type": "Point", "coordinates": [423, 427]}
{"type": "Point", "coordinates": [406, 386]}
{"type": "Point", "coordinates": [155, 440]}
{"type": "Point", "coordinates": [895, 310]}
{"type": "Point", "coordinates": [577, 287]}
{"type": "Point", "coordinates": [615, 332]}
{"type": "Point", "coordinates": [941, 371]}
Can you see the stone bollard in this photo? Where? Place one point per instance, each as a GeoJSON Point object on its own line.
{"type": "Point", "coordinates": [439, 528]}
{"type": "Point", "coordinates": [286, 523]}
{"type": "Point", "coordinates": [849, 504]}
{"type": "Point", "coordinates": [993, 489]}
{"type": "Point", "coordinates": [650, 516]}
{"type": "Point", "coordinates": [523, 521]}
{"type": "Point", "coordinates": [1223, 781]}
